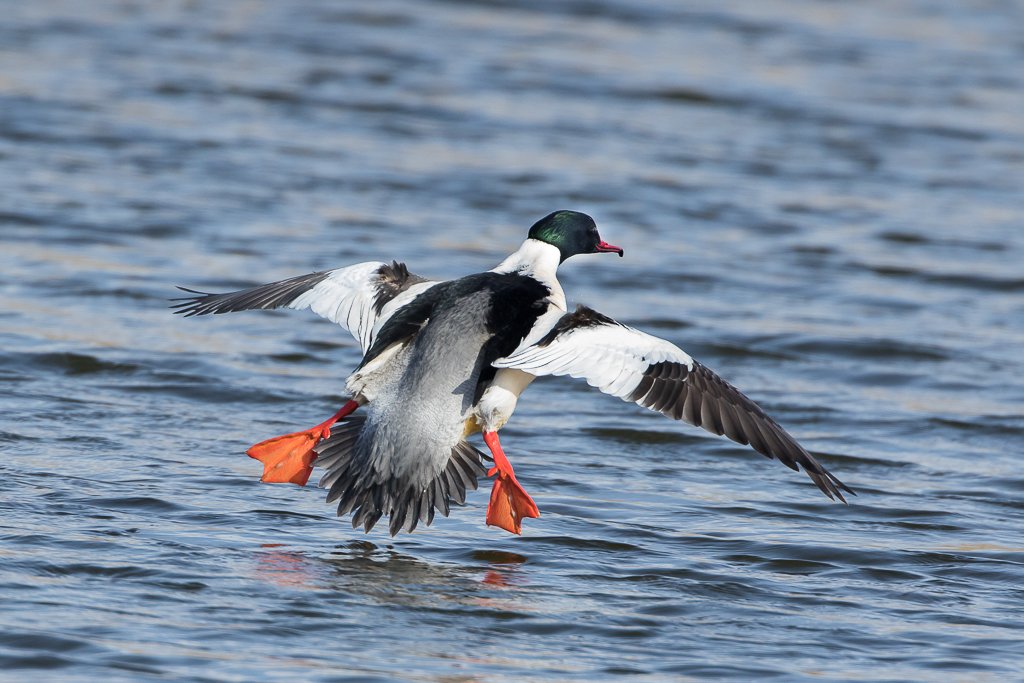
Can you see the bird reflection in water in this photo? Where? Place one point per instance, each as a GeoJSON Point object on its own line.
{"type": "Point", "coordinates": [362, 567]}
{"type": "Point", "coordinates": [284, 567]}
{"type": "Point", "coordinates": [503, 571]}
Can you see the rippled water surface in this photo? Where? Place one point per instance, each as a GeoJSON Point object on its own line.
{"type": "Point", "coordinates": [822, 201]}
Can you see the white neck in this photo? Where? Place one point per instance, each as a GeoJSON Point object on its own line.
{"type": "Point", "coordinates": [539, 260]}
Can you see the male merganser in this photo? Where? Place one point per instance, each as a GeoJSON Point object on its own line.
{"type": "Point", "coordinates": [444, 360]}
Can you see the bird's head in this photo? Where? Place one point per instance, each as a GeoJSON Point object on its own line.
{"type": "Point", "coordinates": [572, 233]}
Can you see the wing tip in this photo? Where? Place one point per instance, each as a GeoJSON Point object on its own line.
{"type": "Point", "coordinates": [190, 305]}
{"type": "Point", "coordinates": [828, 483]}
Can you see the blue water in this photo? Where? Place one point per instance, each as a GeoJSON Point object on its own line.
{"type": "Point", "coordinates": [821, 201]}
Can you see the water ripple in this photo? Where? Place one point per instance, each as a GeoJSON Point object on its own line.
{"type": "Point", "coordinates": [847, 256]}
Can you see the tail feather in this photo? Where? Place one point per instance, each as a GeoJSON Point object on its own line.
{"type": "Point", "coordinates": [399, 509]}
{"type": "Point", "coordinates": [441, 496]}
{"type": "Point", "coordinates": [356, 491]}
{"type": "Point", "coordinates": [426, 507]}
{"type": "Point", "coordinates": [456, 487]}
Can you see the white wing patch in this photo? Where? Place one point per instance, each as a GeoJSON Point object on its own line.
{"type": "Point", "coordinates": [360, 298]}
{"type": "Point", "coordinates": [346, 297]}
{"type": "Point", "coordinates": [608, 355]}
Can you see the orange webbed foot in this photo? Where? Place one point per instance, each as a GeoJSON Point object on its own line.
{"type": "Point", "coordinates": [509, 503]}
{"type": "Point", "coordinates": [289, 459]}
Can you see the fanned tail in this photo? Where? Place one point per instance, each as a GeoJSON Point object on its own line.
{"type": "Point", "coordinates": [355, 492]}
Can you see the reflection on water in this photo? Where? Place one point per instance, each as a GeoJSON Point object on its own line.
{"type": "Point", "coordinates": [503, 568]}
{"type": "Point", "coordinates": [283, 567]}
{"type": "Point", "coordinates": [821, 201]}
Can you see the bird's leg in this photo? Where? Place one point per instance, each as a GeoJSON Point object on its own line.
{"type": "Point", "coordinates": [289, 458]}
{"type": "Point", "coordinates": [509, 502]}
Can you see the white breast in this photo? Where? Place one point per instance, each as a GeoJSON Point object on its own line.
{"type": "Point", "coordinates": [499, 400]}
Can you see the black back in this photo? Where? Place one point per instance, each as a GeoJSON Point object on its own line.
{"type": "Point", "coordinates": [514, 303]}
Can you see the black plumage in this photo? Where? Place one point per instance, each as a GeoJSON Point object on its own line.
{"type": "Point", "coordinates": [700, 397]}
{"type": "Point", "coordinates": [582, 317]}
{"type": "Point", "coordinates": [273, 295]}
{"type": "Point", "coordinates": [515, 303]}
{"type": "Point", "coordinates": [391, 281]}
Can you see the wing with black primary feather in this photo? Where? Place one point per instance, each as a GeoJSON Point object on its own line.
{"type": "Point", "coordinates": [656, 374]}
{"type": "Point", "coordinates": [354, 297]}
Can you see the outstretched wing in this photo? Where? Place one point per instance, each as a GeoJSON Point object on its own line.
{"type": "Point", "coordinates": [354, 297]}
{"type": "Point", "coordinates": [635, 366]}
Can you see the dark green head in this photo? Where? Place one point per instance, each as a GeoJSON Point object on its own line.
{"type": "Point", "coordinates": [572, 232]}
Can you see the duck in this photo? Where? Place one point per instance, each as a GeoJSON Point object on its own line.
{"type": "Point", "coordinates": [443, 360]}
